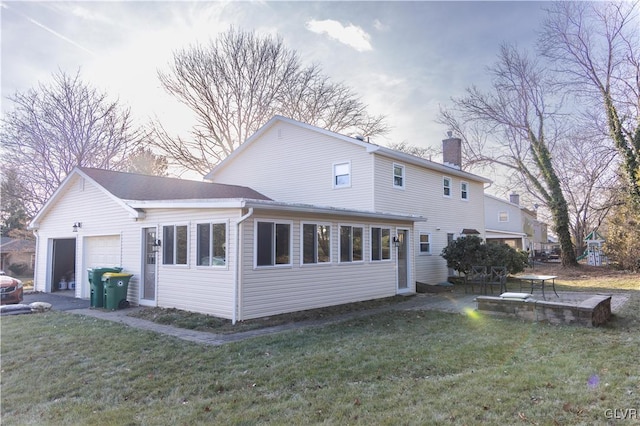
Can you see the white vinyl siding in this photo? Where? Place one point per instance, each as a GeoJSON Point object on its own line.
{"type": "Point", "coordinates": [308, 177]}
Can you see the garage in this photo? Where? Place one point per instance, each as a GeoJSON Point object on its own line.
{"type": "Point", "coordinates": [99, 252]}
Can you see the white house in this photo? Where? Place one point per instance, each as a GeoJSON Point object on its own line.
{"type": "Point", "coordinates": [510, 223]}
{"type": "Point", "coordinates": [319, 219]}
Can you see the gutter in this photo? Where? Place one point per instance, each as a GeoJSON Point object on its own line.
{"type": "Point", "coordinates": [236, 271]}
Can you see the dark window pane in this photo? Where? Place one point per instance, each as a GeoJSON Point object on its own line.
{"type": "Point", "coordinates": [357, 244]}
{"type": "Point", "coordinates": [219, 244]}
{"type": "Point", "coordinates": [345, 244]}
{"type": "Point", "coordinates": [309, 243]}
{"type": "Point", "coordinates": [181, 245]}
{"type": "Point", "coordinates": [282, 244]}
{"type": "Point", "coordinates": [265, 244]}
{"type": "Point", "coordinates": [376, 252]}
{"type": "Point", "coordinates": [167, 245]}
{"type": "Point", "coordinates": [324, 253]}
{"type": "Point", "coordinates": [204, 252]}
{"type": "Point", "coordinates": [386, 244]}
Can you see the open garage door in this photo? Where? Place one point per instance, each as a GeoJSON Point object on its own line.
{"type": "Point", "coordinates": [100, 252]}
{"type": "Point", "coordinates": [63, 263]}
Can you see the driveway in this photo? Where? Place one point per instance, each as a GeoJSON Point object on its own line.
{"type": "Point", "coordinates": [58, 302]}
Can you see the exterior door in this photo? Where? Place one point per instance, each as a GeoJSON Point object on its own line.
{"type": "Point", "coordinates": [403, 260]}
{"type": "Point", "coordinates": [149, 256]}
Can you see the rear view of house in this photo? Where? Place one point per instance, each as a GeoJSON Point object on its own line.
{"type": "Point", "coordinates": [297, 218]}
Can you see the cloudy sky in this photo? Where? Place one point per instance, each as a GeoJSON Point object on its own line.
{"type": "Point", "coordinates": [404, 59]}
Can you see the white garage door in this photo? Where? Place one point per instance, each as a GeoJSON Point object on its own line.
{"type": "Point", "coordinates": [100, 252]}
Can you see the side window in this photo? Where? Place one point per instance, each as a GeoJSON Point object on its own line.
{"type": "Point", "coordinates": [212, 244]}
{"type": "Point", "coordinates": [446, 186]}
{"type": "Point", "coordinates": [342, 175]}
{"type": "Point", "coordinates": [175, 244]}
{"type": "Point", "coordinates": [273, 244]}
{"type": "Point", "coordinates": [503, 216]}
{"type": "Point", "coordinates": [351, 243]}
{"type": "Point", "coordinates": [425, 243]}
{"type": "Point", "coordinates": [398, 176]}
{"type": "Point", "coordinates": [464, 190]}
{"type": "Point", "coordinates": [316, 243]}
{"type": "Point", "coordinates": [380, 243]}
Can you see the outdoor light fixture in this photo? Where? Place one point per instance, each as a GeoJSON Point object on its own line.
{"type": "Point", "coordinates": [396, 242]}
{"type": "Point", "coordinates": [76, 226]}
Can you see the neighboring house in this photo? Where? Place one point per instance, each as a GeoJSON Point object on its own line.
{"type": "Point", "coordinates": [320, 219]}
{"type": "Point", "coordinates": [17, 256]}
{"type": "Point", "coordinates": [512, 224]}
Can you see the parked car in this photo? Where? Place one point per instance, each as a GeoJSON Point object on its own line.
{"type": "Point", "coordinates": [10, 289]}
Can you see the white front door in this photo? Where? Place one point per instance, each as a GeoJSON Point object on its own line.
{"type": "Point", "coordinates": [402, 259]}
{"type": "Point", "coordinates": [149, 257]}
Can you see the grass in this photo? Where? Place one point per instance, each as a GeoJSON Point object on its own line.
{"type": "Point", "coordinates": [398, 367]}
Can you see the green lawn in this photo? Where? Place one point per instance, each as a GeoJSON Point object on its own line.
{"type": "Point", "coordinates": [392, 368]}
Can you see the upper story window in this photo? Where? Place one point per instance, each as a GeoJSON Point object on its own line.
{"type": "Point", "coordinates": [446, 186]}
{"type": "Point", "coordinates": [212, 244]}
{"type": "Point", "coordinates": [464, 190]}
{"type": "Point", "coordinates": [175, 245]}
{"type": "Point", "coordinates": [380, 243]}
{"type": "Point", "coordinates": [351, 243]}
{"type": "Point", "coordinates": [316, 243]}
{"type": "Point", "coordinates": [342, 175]}
{"type": "Point", "coordinates": [503, 216]}
{"type": "Point", "coordinates": [398, 176]}
{"type": "Point", "coordinates": [273, 243]}
{"type": "Point", "coordinates": [425, 243]}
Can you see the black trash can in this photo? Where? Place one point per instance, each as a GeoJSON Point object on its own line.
{"type": "Point", "coordinates": [97, 287]}
{"type": "Point", "coordinates": [116, 285]}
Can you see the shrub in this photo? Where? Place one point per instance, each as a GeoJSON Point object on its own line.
{"type": "Point", "coordinates": [18, 269]}
{"type": "Point", "coordinates": [468, 251]}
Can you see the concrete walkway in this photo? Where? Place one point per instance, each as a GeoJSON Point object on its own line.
{"type": "Point", "coordinates": [446, 302]}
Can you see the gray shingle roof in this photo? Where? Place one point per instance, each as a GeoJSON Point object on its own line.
{"type": "Point", "coordinates": [131, 186]}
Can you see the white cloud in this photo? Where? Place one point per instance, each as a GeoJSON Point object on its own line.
{"type": "Point", "coordinates": [350, 35]}
{"type": "Point", "coordinates": [84, 13]}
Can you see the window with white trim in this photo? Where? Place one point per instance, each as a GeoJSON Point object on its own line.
{"type": "Point", "coordinates": [503, 216]}
{"type": "Point", "coordinates": [464, 190]}
{"type": "Point", "coordinates": [212, 244]}
{"type": "Point", "coordinates": [273, 243]}
{"type": "Point", "coordinates": [175, 245]}
{"type": "Point", "coordinates": [446, 186]}
{"type": "Point", "coordinates": [425, 243]}
{"type": "Point", "coordinates": [342, 175]}
{"type": "Point", "coordinates": [351, 243]}
{"type": "Point", "coordinates": [316, 243]}
{"type": "Point", "coordinates": [398, 176]}
{"type": "Point", "coordinates": [380, 243]}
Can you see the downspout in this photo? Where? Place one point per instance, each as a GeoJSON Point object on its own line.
{"type": "Point", "coordinates": [236, 272]}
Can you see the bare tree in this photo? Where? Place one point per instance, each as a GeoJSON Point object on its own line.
{"type": "Point", "coordinates": [596, 49]}
{"type": "Point", "coordinates": [58, 126]}
{"type": "Point", "coordinates": [415, 150]}
{"type": "Point", "coordinates": [238, 82]}
{"type": "Point", "coordinates": [519, 117]}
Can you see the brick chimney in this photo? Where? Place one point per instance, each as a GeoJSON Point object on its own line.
{"type": "Point", "coordinates": [514, 198]}
{"type": "Point", "coordinates": [452, 152]}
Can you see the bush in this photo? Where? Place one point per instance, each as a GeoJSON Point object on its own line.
{"type": "Point", "coordinates": [18, 269]}
{"type": "Point", "coordinates": [466, 252]}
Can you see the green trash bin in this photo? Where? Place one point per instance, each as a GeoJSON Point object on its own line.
{"type": "Point", "coordinates": [96, 285]}
{"type": "Point", "coordinates": [116, 285]}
